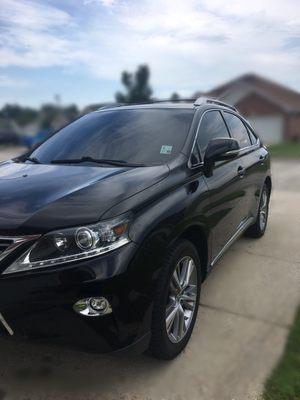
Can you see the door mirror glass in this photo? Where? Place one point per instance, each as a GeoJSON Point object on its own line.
{"type": "Point", "coordinates": [221, 149]}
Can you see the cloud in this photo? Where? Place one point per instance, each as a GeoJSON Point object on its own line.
{"type": "Point", "coordinates": [292, 43]}
{"type": "Point", "coordinates": [105, 3]}
{"type": "Point", "coordinates": [192, 43]}
{"type": "Point", "coordinates": [32, 34]}
{"type": "Point", "coordinates": [188, 44]}
{"type": "Point", "coordinates": [31, 15]}
{"type": "Point", "coordinates": [7, 82]}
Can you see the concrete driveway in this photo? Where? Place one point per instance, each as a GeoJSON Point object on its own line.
{"type": "Point", "coordinates": [247, 306]}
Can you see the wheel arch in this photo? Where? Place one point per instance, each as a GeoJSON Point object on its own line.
{"type": "Point", "coordinates": [197, 235]}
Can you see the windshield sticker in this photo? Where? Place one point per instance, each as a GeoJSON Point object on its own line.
{"type": "Point", "coordinates": [166, 149]}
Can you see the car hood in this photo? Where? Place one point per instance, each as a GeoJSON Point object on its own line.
{"type": "Point", "coordinates": [39, 198]}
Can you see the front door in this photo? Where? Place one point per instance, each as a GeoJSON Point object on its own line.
{"type": "Point", "coordinates": [227, 196]}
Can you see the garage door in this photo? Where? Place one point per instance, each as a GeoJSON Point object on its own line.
{"type": "Point", "coordinates": [269, 128]}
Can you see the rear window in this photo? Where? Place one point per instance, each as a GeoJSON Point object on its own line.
{"type": "Point", "coordinates": [237, 130]}
{"type": "Point", "coordinates": [252, 136]}
{"type": "Point", "coordinates": [148, 136]}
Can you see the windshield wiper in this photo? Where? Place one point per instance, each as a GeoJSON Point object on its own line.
{"type": "Point", "coordinates": [121, 163]}
{"type": "Point", "coordinates": [33, 160]}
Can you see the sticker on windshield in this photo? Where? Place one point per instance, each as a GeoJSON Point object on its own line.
{"type": "Point", "coordinates": [166, 149]}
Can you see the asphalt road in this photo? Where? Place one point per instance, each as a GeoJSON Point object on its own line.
{"type": "Point", "coordinates": [247, 306]}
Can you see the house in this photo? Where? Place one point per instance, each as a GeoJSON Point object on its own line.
{"type": "Point", "coordinates": [271, 108]}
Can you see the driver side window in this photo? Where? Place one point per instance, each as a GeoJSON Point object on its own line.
{"type": "Point", "coordinates": [212, 127]}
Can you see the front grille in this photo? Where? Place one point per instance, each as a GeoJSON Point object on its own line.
{"type": "Point", "coordinates": [11, 247]}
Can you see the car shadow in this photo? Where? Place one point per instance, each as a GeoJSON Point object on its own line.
{"type": "Point", "coordinates": [37, 368]}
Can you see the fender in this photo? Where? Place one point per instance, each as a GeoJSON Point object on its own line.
{"type": "Point", "coordinates": [163, 212]}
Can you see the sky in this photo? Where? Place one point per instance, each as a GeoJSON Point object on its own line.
{"type": "Point", "coordinates": [78, 48]}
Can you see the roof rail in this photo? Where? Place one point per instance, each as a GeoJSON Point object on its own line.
{"type": "Point", "coordinates": [111, 105]}
{"type": "Point", "coordinates": [180, 100]}
{"type": "Point", "coordinates": [206, 100]}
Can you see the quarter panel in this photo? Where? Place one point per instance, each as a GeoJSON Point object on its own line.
{"type": "Point", "coordinates": [256, 164]}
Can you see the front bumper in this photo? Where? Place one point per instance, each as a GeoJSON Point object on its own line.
{"type": "Point", "coordinates": [39, 305]}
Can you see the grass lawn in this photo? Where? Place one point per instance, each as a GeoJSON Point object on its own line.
{"type": "Point", "coordinates": [284, 382]}
{"type": "Point", "coordinates": [285, 150]}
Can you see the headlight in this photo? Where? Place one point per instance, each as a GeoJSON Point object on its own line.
{"type": "Point", "coordinates": [73, 244]}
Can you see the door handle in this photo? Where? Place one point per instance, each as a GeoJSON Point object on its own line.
{"type": "Point", "coordinates": [262, 158]}
{"type": "Point", "coordinates": [241, 171]}
{"type": "Point", "coordinates": [193, 186]}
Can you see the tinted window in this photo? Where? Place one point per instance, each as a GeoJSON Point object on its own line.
{"type": "Point", "coordinates": [212, 127]}
{"type": "Point", "coordinates": [253, 138]}
{"type": "Point", "coordinates": [138, 136]}
{"type": "Point", "coordinates": [195, 157]}
{"type": "Point", "coordinates": [237, 130]}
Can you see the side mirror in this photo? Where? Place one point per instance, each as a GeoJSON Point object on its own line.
{"type": "Point", "coordinates": [221, 149]}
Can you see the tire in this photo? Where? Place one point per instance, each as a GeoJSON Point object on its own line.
{"type": "Point", "coordinates": [172, 300]}
{"type": "Point", "coordinates": [258, 229]}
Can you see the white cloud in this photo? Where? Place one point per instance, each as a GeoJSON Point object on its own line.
{"type": "Point", "coordinates": [32, 15]}
{"type": "Point", "coordinates": [33, 34]}
{"type": "Point", "coordinates": [188, 44]}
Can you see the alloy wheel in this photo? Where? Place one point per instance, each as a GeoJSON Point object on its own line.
{"type": "Point", "coordinates": [181, 299]}
{"type": "Point", "coordinates": [263, 212]}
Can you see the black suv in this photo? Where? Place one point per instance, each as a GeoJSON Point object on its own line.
{"type": "Point", "coordinates": [109, 227]}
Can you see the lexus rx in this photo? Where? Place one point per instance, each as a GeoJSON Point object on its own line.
{"type": "Point", "coordinates": [109, 227]}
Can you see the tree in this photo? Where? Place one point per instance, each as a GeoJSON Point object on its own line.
{"type": "Point", "coordinates": [48, 113]}
{"type": "Point", "coordinates": [71, 112]}
{"type": "Point", "coordinates": [21, 115]}
{"type": "Point", "coordinates": [137, 86]}
{"type": "Point", "coordinates": [175, 97]}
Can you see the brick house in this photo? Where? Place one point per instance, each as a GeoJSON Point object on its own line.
{"type": "Point", "coordinates": [272, 109]}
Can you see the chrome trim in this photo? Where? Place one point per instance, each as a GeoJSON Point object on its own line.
{"type": "Point", "coordinates": [189, 163]}
{"type": "Point", "coordinates": [5, 324]}
{"type": "Point", "coordinates": [14, 267]}
{"type": "Point", "coordinates": [233, 238]}
{"type": "Point", "coordinates": [15, 243]}
{"type": "Point", "coordinates": [194, 166]}
{"type": "Point", "coordinates": [245, 122]}
{"type": "Point", "coordinates": [251, 147]}
{"type": "Point", "coordinates": [85, 308]}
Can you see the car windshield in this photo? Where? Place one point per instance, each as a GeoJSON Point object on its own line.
{"type": "Point", "coordinates": [136, 136]}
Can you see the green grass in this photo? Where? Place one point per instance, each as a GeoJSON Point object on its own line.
{"type": "Point", "coordinates": [284, 382]}
{"type": "Point", "coordinates": [285, 150]}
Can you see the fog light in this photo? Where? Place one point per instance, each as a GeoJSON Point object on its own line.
{"type": "Point", "coordinates": [99, 303]}
{"type": "Point", "coordinates": [93, 306]}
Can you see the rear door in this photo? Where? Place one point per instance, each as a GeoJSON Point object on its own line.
{"type": "Point", "coordinates": [224, 183]}
{"type": "Point", "coordinates": [251, 162]}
